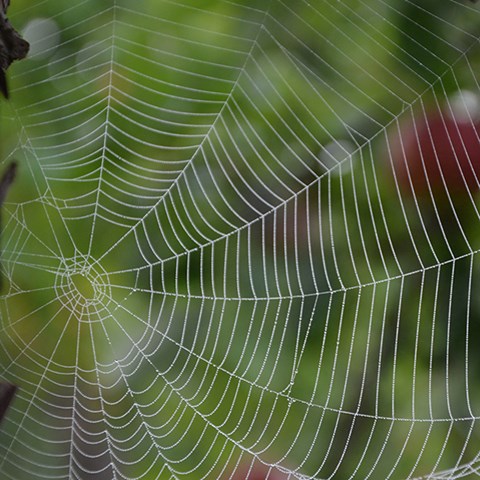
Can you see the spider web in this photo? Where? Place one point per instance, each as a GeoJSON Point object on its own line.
{"type": "Point", "coordinates": [213, 266]}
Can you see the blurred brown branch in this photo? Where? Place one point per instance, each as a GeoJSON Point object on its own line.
{"type": "Point", "coordinates": [7, 392]}
{"type": "Point", "coordinates": [12, 46]}
{"type": "Point", "coordinates": [5, 182]}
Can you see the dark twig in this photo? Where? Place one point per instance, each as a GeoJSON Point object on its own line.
{"type": "Point", "coordinates": [7, 392]}
{"type": "Point", "coordinates": [7, 179]}
{"type": "Point", "coordinates": [12, 46]}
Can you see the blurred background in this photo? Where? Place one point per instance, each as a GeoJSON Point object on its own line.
{"type": "Point", "coordinates": [243, 242]}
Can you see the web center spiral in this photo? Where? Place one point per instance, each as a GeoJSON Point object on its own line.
{"type": "Point", "coordinates": [83, 288]}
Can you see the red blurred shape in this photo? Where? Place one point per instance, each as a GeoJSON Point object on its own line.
{"type": "Point", "coordinates": [440, 147]}
{"type": "Point", "coordinates": [257, 471]}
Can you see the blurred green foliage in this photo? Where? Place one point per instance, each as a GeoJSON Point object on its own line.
{"type": "Point", "coordinates": [250, 294]}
